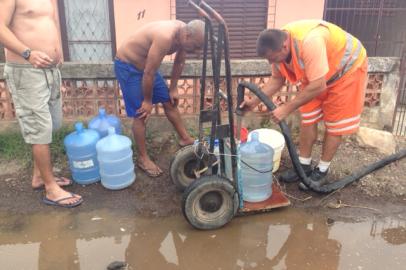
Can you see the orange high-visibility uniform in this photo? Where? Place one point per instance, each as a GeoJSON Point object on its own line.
{"type": "Point", "coordinates": [341, 104]}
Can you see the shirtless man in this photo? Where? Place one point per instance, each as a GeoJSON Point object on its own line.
{"type": "Point", "coordinates": [28, 30]}
{"type": "Point", "coordinates": [136, 67]}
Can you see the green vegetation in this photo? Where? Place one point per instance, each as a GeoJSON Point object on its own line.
{"type": "Point", "coordinates": [13, 147]}
{"type": "Point", "coordinates": [268, 123]}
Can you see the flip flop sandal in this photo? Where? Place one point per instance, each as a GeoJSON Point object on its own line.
{"type": "Point", "coordinates": [148, 172]}
{"type": "Point", "coordinates": [59, 180]}
{"type": "Point", "coordinates": [183, 145]}
{"type": "Point", "coordinates": [58, 202]}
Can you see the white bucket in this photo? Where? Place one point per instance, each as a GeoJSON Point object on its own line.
{"type": "Point", "coordinates": [274, 139]}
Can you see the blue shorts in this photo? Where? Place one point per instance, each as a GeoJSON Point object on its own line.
{"type": "Point", "coordinates": [130, 80]}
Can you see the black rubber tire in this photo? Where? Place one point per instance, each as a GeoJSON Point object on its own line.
{"type": "Point", "coordinates": [218, 193]}
{"type": "Point", "coordinates": [182, 165]}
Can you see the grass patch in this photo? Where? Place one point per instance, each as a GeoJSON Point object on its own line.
{"type": "Point", "coordinates": [268, 123]}
{"type": "Point", "coordinates": [58, 153]}
{"type": "Point", "coordinates": [13, 147]}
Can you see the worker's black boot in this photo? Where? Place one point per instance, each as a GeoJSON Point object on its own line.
{"type": "Point", "coordinates": [317, 177]}
{"type": "Point", "coordinates": [290, 175]}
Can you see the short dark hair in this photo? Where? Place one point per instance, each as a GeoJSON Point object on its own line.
{"type": "Point", "coordinates": [270, 39]}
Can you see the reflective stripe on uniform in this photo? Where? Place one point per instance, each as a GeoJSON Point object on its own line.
{"type": "Point", "coordinates": [346, 124]}
{"type": "Point", "coordinates": [301, 63]}
{"type": "Point", "coordinates": [349, 58]}
{"type": "Point", "coordinates": [312, 120]}
{"type": "Point", "coordinates": [337, 130]}
{"type": "Point", "coordinates": [276, 66]}
{"type": "Point", "coordinates": [344, 121]}
{"type": "Point", "coordinates": [310, 114]}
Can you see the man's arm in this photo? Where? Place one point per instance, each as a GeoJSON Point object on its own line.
{"type": "Point", "coordinates": [154, 59]}
{"type": "Point", "coordinates": [312, 90]}
{"type": "Point", "coordinates": [58, 25]}
{"type": "Point", "coordinates": [177, 68]}
{"type": "Point", "coordinates": [176, 72]}
{"type": "Point", "coordinates": [272, 86]}
{"type": "Point", "coordinates": [316, 67]}
{"type": "Point", "coordinates": [7, 38]}
{"type": "Point", "coordinates": [156, 53]}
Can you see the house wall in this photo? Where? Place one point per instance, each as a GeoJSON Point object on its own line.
{"type": "Point", "coordinates": [87, 86]}
{"type": "Point", "coordinates": [279, 13]}
{"type": "Point", "coordinates": [292, 10]}
{"type": "Point", "coordinates": [130, 14]}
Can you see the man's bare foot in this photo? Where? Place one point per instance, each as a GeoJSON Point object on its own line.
{"type": "Point", "coordinates": [187, 141]}
{"type": "Point", "coordinates": [56, 196]}
{"type": "Point", "coordinates": [38, 183]}
{"type": "Point", "coordinates": [149, 167]}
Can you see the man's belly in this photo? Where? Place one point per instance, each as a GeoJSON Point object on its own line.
{"type": "Point", "coordinates": [41, 37]}
{"type": "Point", "coordinates": [132, 58]}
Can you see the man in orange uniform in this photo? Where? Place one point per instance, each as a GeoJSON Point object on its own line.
{"type": "Point", "coordinates": [330, 68]}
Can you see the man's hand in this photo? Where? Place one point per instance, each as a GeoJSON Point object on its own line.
{"type": "Point", "coordinates": [145, 110]}
{"type": "Point", "coordinates": [280, 113]}
{"type": "Point", "coordinates": [174, 96]}
{"type": "Point", "coordinates": [40, 60]}
{"type": "Point", "coordinates": [249, 103]}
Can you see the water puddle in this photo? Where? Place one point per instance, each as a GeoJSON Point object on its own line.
{"type": "Point", "coordinates": [287, 239]}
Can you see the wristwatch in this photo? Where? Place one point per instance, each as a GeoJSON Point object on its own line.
{"type": "Point", "coordinates": [26, 54]}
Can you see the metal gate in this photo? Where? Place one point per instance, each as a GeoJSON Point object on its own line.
{"type": "Point", "coordinates": [399, 118]}
{"type": "Point", "coordinates": [380, 25]}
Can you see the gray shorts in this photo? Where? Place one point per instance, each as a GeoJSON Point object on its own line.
{"type": "Point", "coordinates": [36, 96]}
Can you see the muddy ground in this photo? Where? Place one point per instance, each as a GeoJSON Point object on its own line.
{"type": "Point", "coordinates": [382, 193]}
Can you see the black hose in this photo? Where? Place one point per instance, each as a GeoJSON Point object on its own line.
{"type": "Point", "coordinates": [327, 188]}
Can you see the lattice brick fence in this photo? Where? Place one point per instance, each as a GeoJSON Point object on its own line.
{"type": "Point", "coordinates": [82, 98]}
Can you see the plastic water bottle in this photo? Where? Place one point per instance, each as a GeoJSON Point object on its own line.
{"type": "Point", "coordinates": [216, 152]}
{"type": "Point", "coordinates": [256, 170]}
{"type": "Point", "coordinates": [115, 157]}
{"type": "Point", "coordinates": [102, 122]}
{"type": "Point", "coordinates": [80, 147]}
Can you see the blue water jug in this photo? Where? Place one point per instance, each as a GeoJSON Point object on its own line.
{"type": "Point", "coordinates": [102, 122]}
{"type": "Point", "coordinates": [115, 157]}
{"type": "Point", "coordinates": [80, 147]}
{"type": "Point", "coordinates": [256, 162]}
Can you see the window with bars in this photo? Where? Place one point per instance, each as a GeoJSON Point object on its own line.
{"type": "Point", "coordinates": [87, 30]}
{"type": "Point", "coordinates": [245, 20]}
{"type": "Point", "coordinates": [379, 24]}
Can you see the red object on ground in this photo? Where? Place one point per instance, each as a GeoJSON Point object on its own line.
{"type": "Point", "coordinates": [243, 134]}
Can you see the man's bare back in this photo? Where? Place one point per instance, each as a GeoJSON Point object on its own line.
{"type": "Point", "coordinates": [33, 22]}
{"type": "Point", "coordinates": [135, 49]}
{"type": "Point", "coordinates": [142, 54]}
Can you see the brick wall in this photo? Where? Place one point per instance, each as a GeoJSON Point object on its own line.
{"type": "Point", "coordinates": [86, 87]}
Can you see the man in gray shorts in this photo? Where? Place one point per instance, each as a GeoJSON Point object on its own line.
{"type": "Point", "coordinates": [28, 31]}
